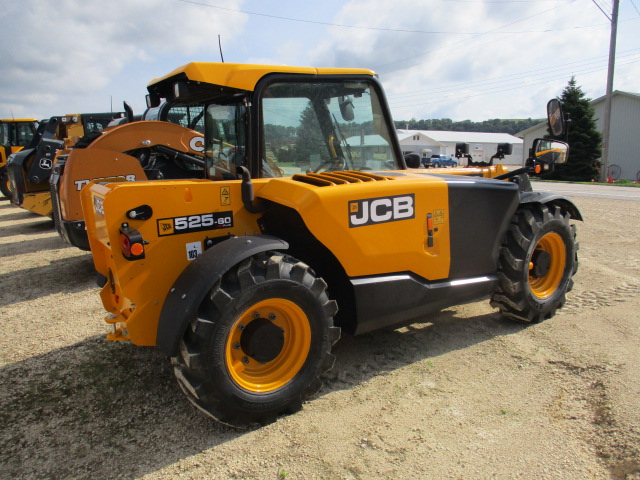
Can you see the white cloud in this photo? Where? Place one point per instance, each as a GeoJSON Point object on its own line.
{"type": "Point", "coordinates": [528, 54]}
{"type": "Point", "coordinates": [64, 54]}
{"type": "Point", "coordinates": [69, 56]}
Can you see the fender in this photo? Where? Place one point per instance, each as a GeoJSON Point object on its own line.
{"type": "Point", "coordinates": [196, 280]}
{"type": "Point", "coordinates": [548, 197]}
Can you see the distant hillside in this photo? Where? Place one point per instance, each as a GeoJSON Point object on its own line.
{"type": "Point", "coordinates": [497, 125]}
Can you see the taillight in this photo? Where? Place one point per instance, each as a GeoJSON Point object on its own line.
{"type": "Point", "coordinates": [131, 243]}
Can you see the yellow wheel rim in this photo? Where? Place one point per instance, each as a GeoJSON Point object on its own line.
{"type": "Point", "coordinates": [545, 285]}
{"type": "Point", "coordinates": [255, 376]}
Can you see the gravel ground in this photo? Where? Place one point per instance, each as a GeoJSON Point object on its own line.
{"type": "Point", "coordinates": [462, 395]}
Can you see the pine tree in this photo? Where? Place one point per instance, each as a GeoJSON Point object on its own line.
{"type": "Point", "coordinates": [584, 139]}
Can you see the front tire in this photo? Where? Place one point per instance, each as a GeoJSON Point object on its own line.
{"type": "Point", "coordinates": [537, 261]}
{"type": "Point", "coordinates": [261, 339]}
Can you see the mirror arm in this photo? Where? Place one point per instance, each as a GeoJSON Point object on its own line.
{"type": "Point", "coordinates": [515, 173]}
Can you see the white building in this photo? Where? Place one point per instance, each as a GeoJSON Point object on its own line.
{"type": "Point", "coordinates": [482, 146]}
{"type": "Point", "coordinates": [624, 145]}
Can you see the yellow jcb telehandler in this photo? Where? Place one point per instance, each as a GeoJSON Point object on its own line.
{"type": "Point", "coordinates": [309, 223]}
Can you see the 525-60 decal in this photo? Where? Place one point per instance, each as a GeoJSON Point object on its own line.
{"type": "Point", "coordinates": [195, 223]}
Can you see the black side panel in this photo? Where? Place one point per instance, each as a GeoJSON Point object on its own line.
{"type": "Point", "coordinates": [40, 168]}
{"type": "Point", "coordinates": [394, 299]}
{"type": "Point", "coordinates": [287, 224]}
{"type": "Point", "coordinates": [479, 213]}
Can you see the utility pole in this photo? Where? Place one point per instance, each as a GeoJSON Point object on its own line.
{"type": "Point", "coordinates": [606, 134]}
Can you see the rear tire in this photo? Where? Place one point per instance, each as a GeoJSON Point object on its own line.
{"type": "Point", "coordinates": [261, 339]}
{"type": "Point", "coordinates": [5, 184]}
{"type": "Point", "coordinates": [537, 261]}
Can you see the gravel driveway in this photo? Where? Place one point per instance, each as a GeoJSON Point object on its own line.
{"type": "Point", "coordinates": [462, 395]}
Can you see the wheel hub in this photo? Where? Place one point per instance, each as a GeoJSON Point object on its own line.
{"type": "Point", "coordinates": [262, 340]}
{"type": "Point", "coordinates": [541, 263]}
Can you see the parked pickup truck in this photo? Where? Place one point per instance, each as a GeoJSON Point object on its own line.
{"type": "Point", "coordinates": [439, 161]}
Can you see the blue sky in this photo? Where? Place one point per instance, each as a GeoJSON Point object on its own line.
{"type": "Point", "coordinates": [459, 59]}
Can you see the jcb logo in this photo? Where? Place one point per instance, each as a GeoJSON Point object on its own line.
{"type": "Point", "coordinates": [380, 210]}
{"type": "Point", "coordinates": [166, 227]}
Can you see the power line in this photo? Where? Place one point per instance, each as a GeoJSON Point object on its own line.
{"type": "Point", "coordinates": [500, 1]}
{"type": "Point", "coordinates": [515, 76]}
{"type": "Point", "coordinates": [468, 39]}
{"type": "Point", "coordinates": [453, 96]}
{"type": "Point", "coordinates": [601, 9]}
{"type": "Point", "coordinates": [401, 30]}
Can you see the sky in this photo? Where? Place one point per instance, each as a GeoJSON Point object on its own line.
{"type": "Point", "coordinates": [458, 59]}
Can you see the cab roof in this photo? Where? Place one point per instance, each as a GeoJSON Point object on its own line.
{"type": "Point", "coordinates": [241, 76]}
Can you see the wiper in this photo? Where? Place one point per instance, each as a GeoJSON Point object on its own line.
{"type": "Point", "coordinates": [343, 140]}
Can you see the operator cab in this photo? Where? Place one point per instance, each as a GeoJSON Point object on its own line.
{"type": "Point", "coordinates": [286, 122]}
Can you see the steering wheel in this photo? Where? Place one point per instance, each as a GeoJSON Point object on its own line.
{"type": "Point", "coordinates": [335, 163]}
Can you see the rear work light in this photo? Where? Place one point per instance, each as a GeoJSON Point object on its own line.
{"type": "Point", "coordinates": [131, 243]}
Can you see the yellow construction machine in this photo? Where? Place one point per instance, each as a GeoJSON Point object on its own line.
{"type": "Point", "coordinates": [29, 170]}
{"type": "Point", "coordinates": [15, 134]}
{"type": "Point", "coordinates": [309, 223]}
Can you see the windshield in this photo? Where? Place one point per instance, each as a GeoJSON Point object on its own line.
{"type": "Point", "coordinates": [16, 133]}
{"type": "Point", "coordinates": [323, 126]}
{"type": "Point", "coordinates": [24, 133]}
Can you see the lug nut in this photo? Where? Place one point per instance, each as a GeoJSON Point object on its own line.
{"type": "Point", "coordinates": [256, 315]}
{"type": "Point", "coordinates": [272, 316]}
{"type": "Point", "coordinates": [245, 360]}
{"type": "Point", "coordinates": [241, 326]}
{"type": "Point", "coordinates": [236, 346]}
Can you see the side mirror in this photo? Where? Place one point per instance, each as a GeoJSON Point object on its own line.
{"type": "Point", "coordinates": [556, 117]}
{"type": "Point", "coordinates": [505, 149]}
{"type": "Point", "coordinates": [549, 152]}
{"type": "Point", "coordinates": [346, 108]}
{"type": "Point", "coordinates": [153, 100]}
{"type": "Point", "coordinates": [412, 160]}
{"type": "Point", "coordinates": [461, 149]}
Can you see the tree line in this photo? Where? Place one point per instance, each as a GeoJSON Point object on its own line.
{"type": "Point", "coordinates": [497, 125]}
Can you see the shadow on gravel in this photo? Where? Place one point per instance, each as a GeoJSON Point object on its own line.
{"type": "Point", "coordinates": [20, 214]}
{"type": "Point", "coordinates": [99, 409]}
{"type": "Point", "coordinates": [36, 226]}
{"type": "Point", "coordinates": [66, 275]}
{"type": "Point", "coordinates": [32, 246]}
